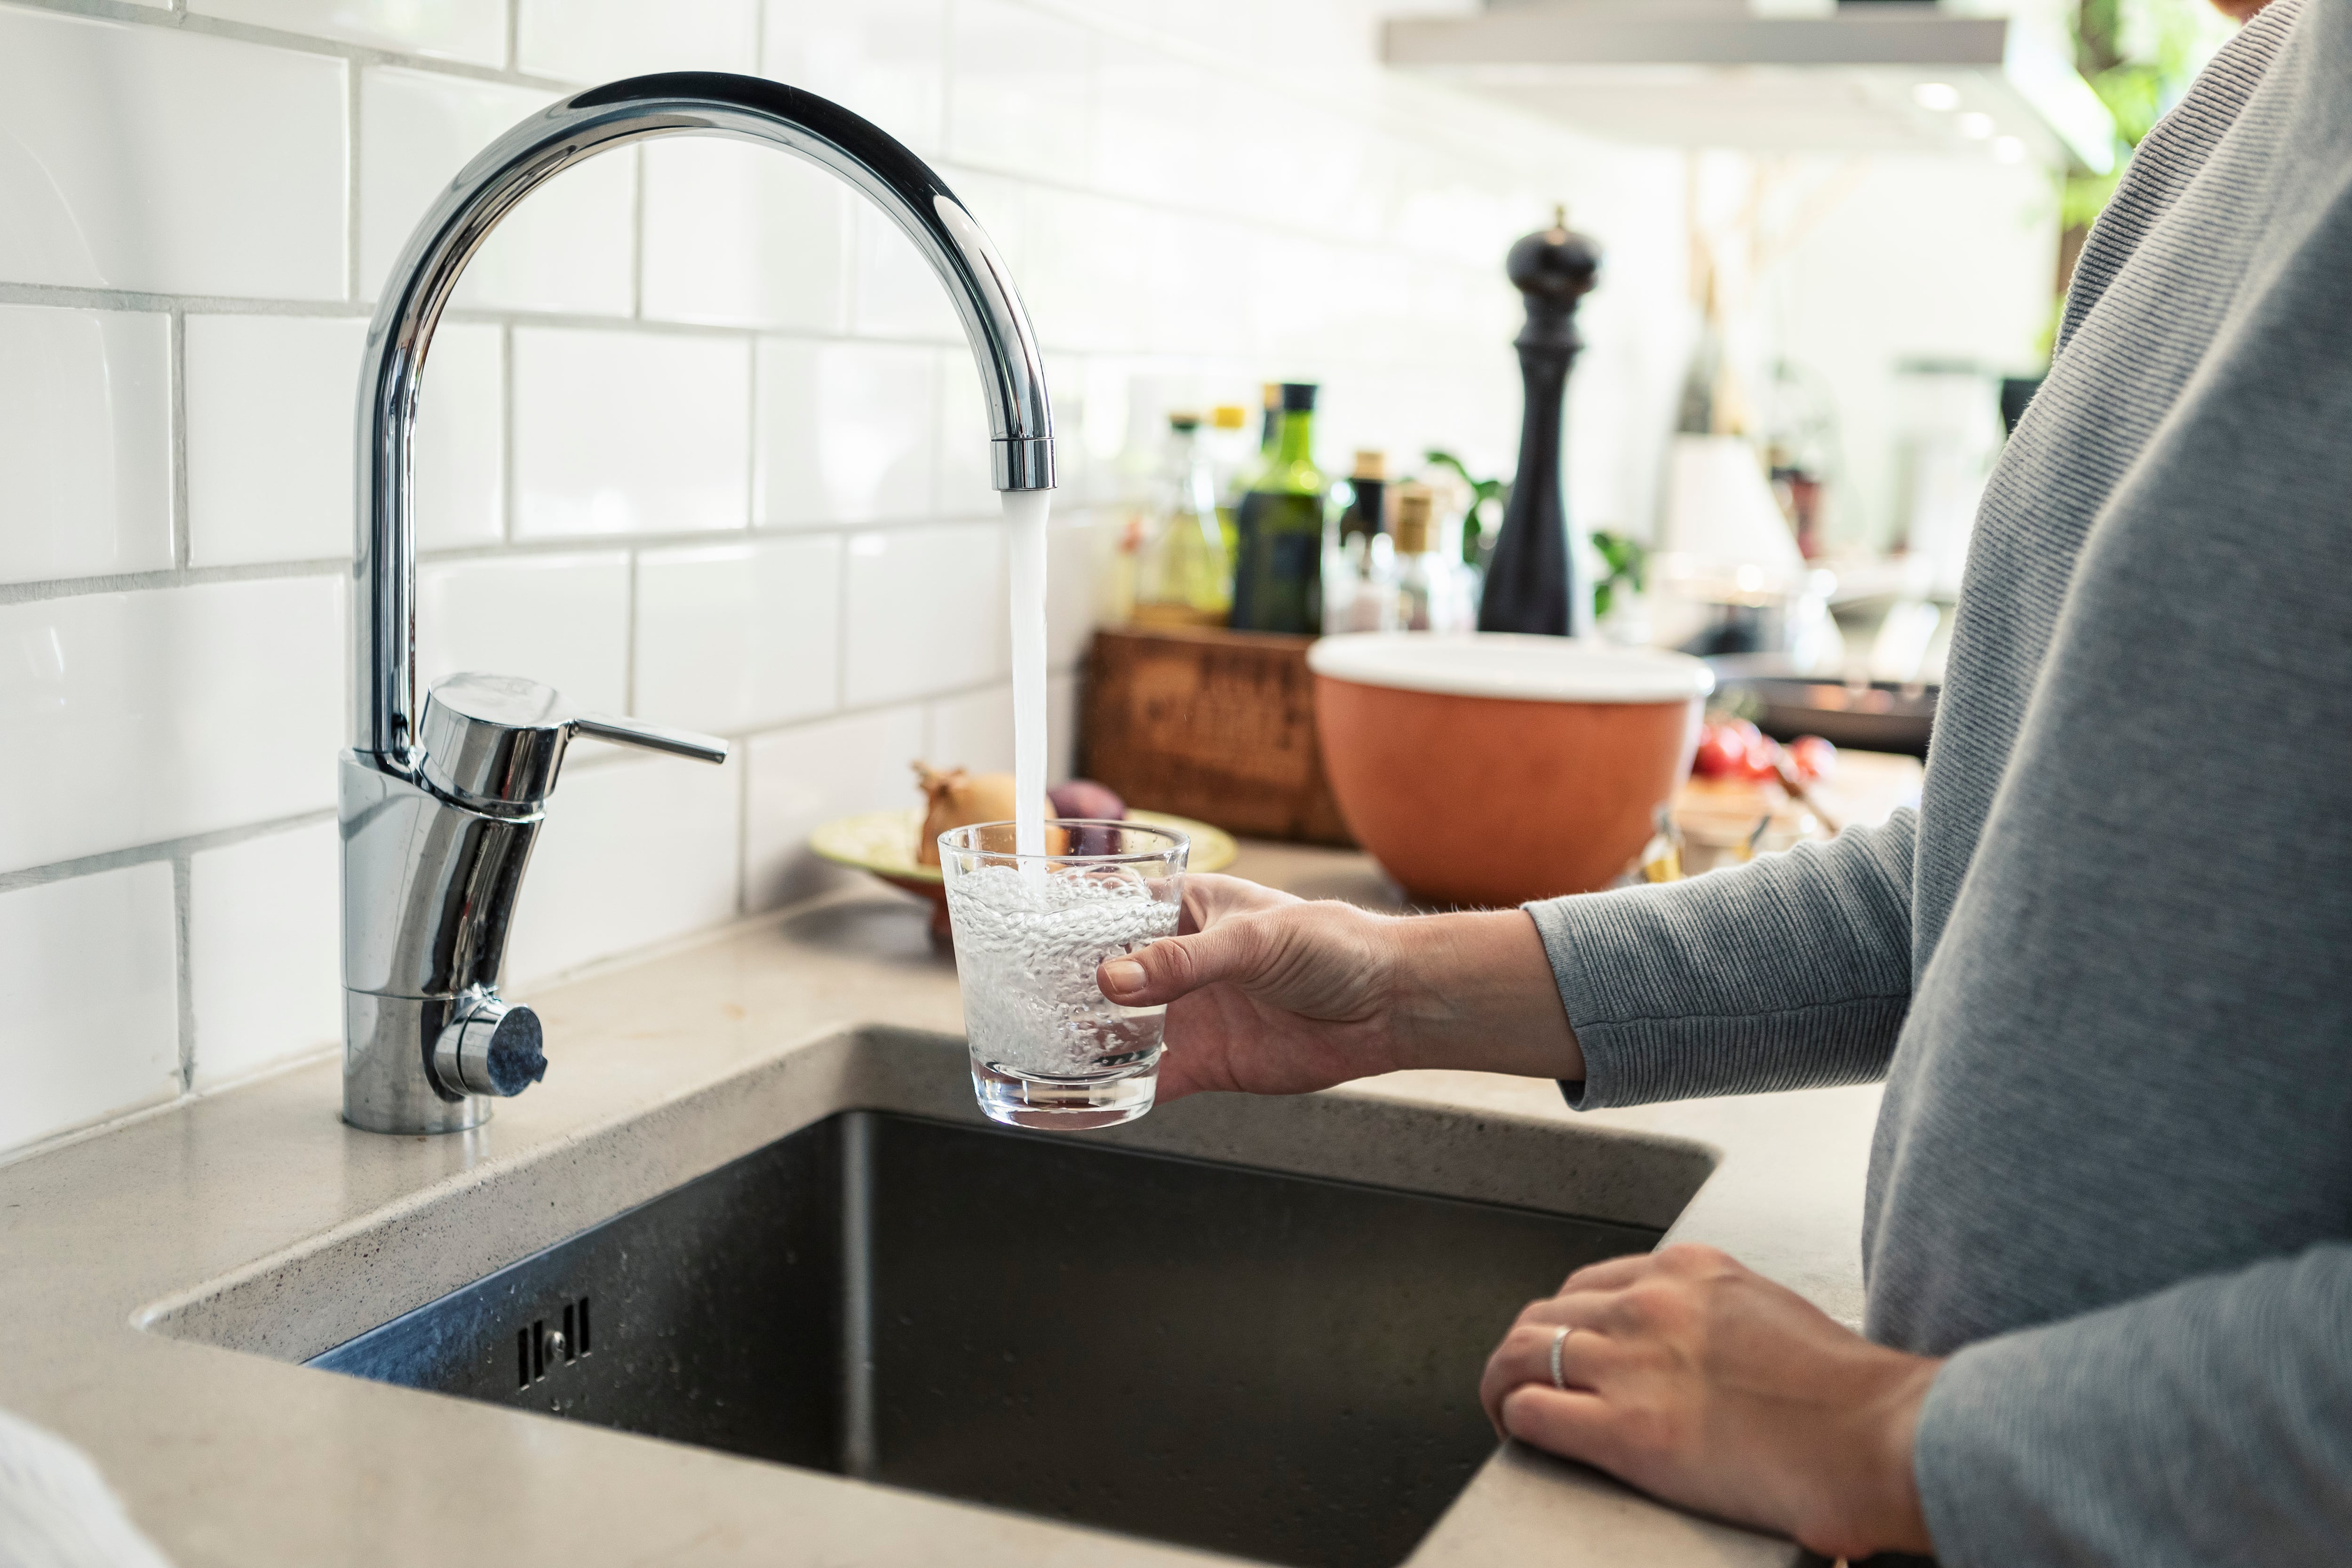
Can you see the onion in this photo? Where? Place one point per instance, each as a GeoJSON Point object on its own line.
{"type": "Point", "coordinates": [958, 799]}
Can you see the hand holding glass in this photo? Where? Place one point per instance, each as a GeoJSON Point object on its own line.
{"type": "Point", "coordinates": [1048, 1049]}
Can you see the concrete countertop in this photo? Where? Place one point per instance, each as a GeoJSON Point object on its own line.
{"type": "Point", "coordinates": [230, 1458]}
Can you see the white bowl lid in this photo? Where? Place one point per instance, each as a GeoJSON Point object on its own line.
{"type": "Point", "coordinates": [1511, 665]}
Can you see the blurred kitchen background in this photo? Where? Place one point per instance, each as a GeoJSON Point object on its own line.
{"type": "Point", "coordinates": [702, 441]}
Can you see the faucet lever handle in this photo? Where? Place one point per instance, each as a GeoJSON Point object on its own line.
{"type": "Point", "coordinates": [494, 741]}
{"type": "Point", "coordinates": [652, 737]}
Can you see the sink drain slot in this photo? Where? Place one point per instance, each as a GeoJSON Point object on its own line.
{"type": "Point", "coordinates": [539, 1349]}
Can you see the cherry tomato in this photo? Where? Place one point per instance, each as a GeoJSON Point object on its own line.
{"type": "Point", "coordinates": [1813, 758]}
{"type": "Point", "coordinates": [1735, 749]}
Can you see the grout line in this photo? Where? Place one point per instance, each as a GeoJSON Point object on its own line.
{"type": "Point", "coordinates": [743, 837]}
{"type": "Point", "coordinates": [754, 448]}
{"type": "Point", "coordinates": [178, 577]}
{"type": "Point", "coordinates": [183, 880]}
{"type": "Point", "coordinates": [163, 850]}
{"type": "Point", "coordinates": [351, 89]}
{"type": "Point", "coordinates": [180, 20]}
{"type": "Point", "coordinates": [629, 638]}
{"type": "Point", "coordinates": [509, 487]}
{"type": "Point", "coordinates": [68, 296]}
{"type": "Point", "coordinates": [513, 61]}
{"type": "Point", "coordinates": [177, 414]}
{"type": "Point", "coordinates": [637, 233]}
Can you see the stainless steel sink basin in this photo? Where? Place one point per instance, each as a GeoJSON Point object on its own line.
{"type": "Point", "coordinates": [1269, 1366]}
{"type": "Point", "coordinates": [1250, 1326]}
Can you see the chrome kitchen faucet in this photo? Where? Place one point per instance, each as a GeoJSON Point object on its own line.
{"type": "Point", "coordinates": [439, 812]}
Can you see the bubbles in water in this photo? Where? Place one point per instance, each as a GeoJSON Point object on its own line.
{"type": "Point", "coordinates": [1027, 948]}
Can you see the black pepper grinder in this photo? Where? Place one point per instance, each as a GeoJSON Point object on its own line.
{"type": "Point", "coordinates": [1530, 579]}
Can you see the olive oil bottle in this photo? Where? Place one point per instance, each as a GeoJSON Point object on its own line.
{"type": "Point", "coordinates": [1278, 575]}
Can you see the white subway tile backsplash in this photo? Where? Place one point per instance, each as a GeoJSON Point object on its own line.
{"type": "Point", "coordinates": [265, 950]}
{"type": "Point", "coordinates": [1067, 280]}
{"type": "Point", "coordinates": [966, 482]}
{"type": "Point", "coordinates": [469, 30]}
{"type": "Point", "coordinates": [801, 778]}
{"type": "Point", "coordinates": [1151, 113]}
{"type": "Point", "coordinates": [269, 402]}
{"type": "Point", "coordinates": [925, 610]}
{"type": "Point", "coordinates": [847, 431]}
{"type": "Point", "coordinates": [145, 158]}
{"type": "Point", "coordinates": [737, 235]}
{"type": "Point", "coordinates": [595, 41]}
{"type": "Point", "coordinates": [885, 59]}
{"type": "Point", "coordinates": [630, 432]}
{"type": "Point", "coordinates": [85, 442]}
{"type": "Point", "coordinates": [636, 852]}
{"type": "Point", "coordinates": [738, 636]}
{"type": "Point", "coordinates": [561, 620]}
{"type": "Point", "coordinates": [1022, 97]}
{"type": "Point", "coordinates": [1069, 586]}
{"type": "Point", "coordinates": [130, 719]}
{"type": "Point", "coordinates": [895, 293]}
{"type": "Point", "coordinates": [566, 247]}
{"type": "Point", "coordinates": [87, 966]}
{"type": "Point", "coordinates": [632, 853]}
{"type": "Point", "coordinates": [973, 730]}
{"type": "Point", "coordinates": [461, 471]}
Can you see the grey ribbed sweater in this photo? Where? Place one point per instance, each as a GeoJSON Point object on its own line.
{"type": "Point", "coordinates": [2104, 970]}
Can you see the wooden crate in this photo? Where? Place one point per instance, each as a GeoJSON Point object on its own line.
{"type": "Point", "coordinates": [1213, 724]}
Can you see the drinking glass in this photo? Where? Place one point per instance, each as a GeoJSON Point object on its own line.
{"type": "Point", "coordinates": [1048, 1048]}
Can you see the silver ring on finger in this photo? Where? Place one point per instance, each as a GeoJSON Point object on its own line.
{"type": "Point", "coordinates": [1558, 1341]}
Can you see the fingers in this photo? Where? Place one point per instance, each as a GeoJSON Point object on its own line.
{"type": "Point", "coordinates": [1524, 1358]}
{"type": "Point", "coordinates": [1177, 965]}
{"type": "Point", "coordinates": [1210, 897]}
{"type": "Point", "coordinates": [1576, 1425]}
{"type": "Point", "coordinates": [1610, 1274]}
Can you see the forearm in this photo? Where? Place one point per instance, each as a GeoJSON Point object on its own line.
{"type": "Point", "coordinates": [1475, 993]}
{"type": "Point", "coordinates": [1791, 973]}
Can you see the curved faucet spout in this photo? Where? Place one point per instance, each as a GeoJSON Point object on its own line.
{"type": "Point", "coordinates": [693, 103]}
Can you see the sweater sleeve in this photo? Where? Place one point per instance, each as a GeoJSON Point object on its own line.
{"type": "Point", "coordinates": [2209, 1422]}
{"type": "Point", "coordinates": [1792, 972]}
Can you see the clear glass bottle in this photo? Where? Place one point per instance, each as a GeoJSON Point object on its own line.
{"type": "Point", "coordinates": [1278, 575]}
{"type": "Point", "coordinates": [1432, 591]}
{"type": "Point", "coordinates": [1185, 578]}
{"type": "Point", "coordinates": [1360, 568]}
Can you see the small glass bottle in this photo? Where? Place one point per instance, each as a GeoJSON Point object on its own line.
{"type": "Point", "coordinates": [1359, 570]}
{"type": "Point", "coordinates": [1185, 577]}
{"type": "Point", "coordinates": [1233, 459]}
{"type": "Point", "coordinates": [1433, 593]}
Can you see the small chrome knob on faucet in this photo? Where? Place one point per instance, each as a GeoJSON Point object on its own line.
{"type": "Point", "coordinates": [490, 1047]}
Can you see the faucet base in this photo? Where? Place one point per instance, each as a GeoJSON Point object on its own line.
{"type": "Point", "coordinates": [387, 1084]}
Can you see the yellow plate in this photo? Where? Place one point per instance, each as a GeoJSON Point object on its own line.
{"type": "Point", "coordinates": [883, 842]}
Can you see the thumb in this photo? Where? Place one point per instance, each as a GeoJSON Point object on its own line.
{"type": "Point", "coordinates": [1177, 965]}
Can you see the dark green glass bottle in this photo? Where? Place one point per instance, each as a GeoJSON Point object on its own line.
{"type": "Point", "coordinates": [1278, 575]}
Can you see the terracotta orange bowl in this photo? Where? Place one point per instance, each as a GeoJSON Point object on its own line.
{"type": "Point", "coordinates": [1488, 768]}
